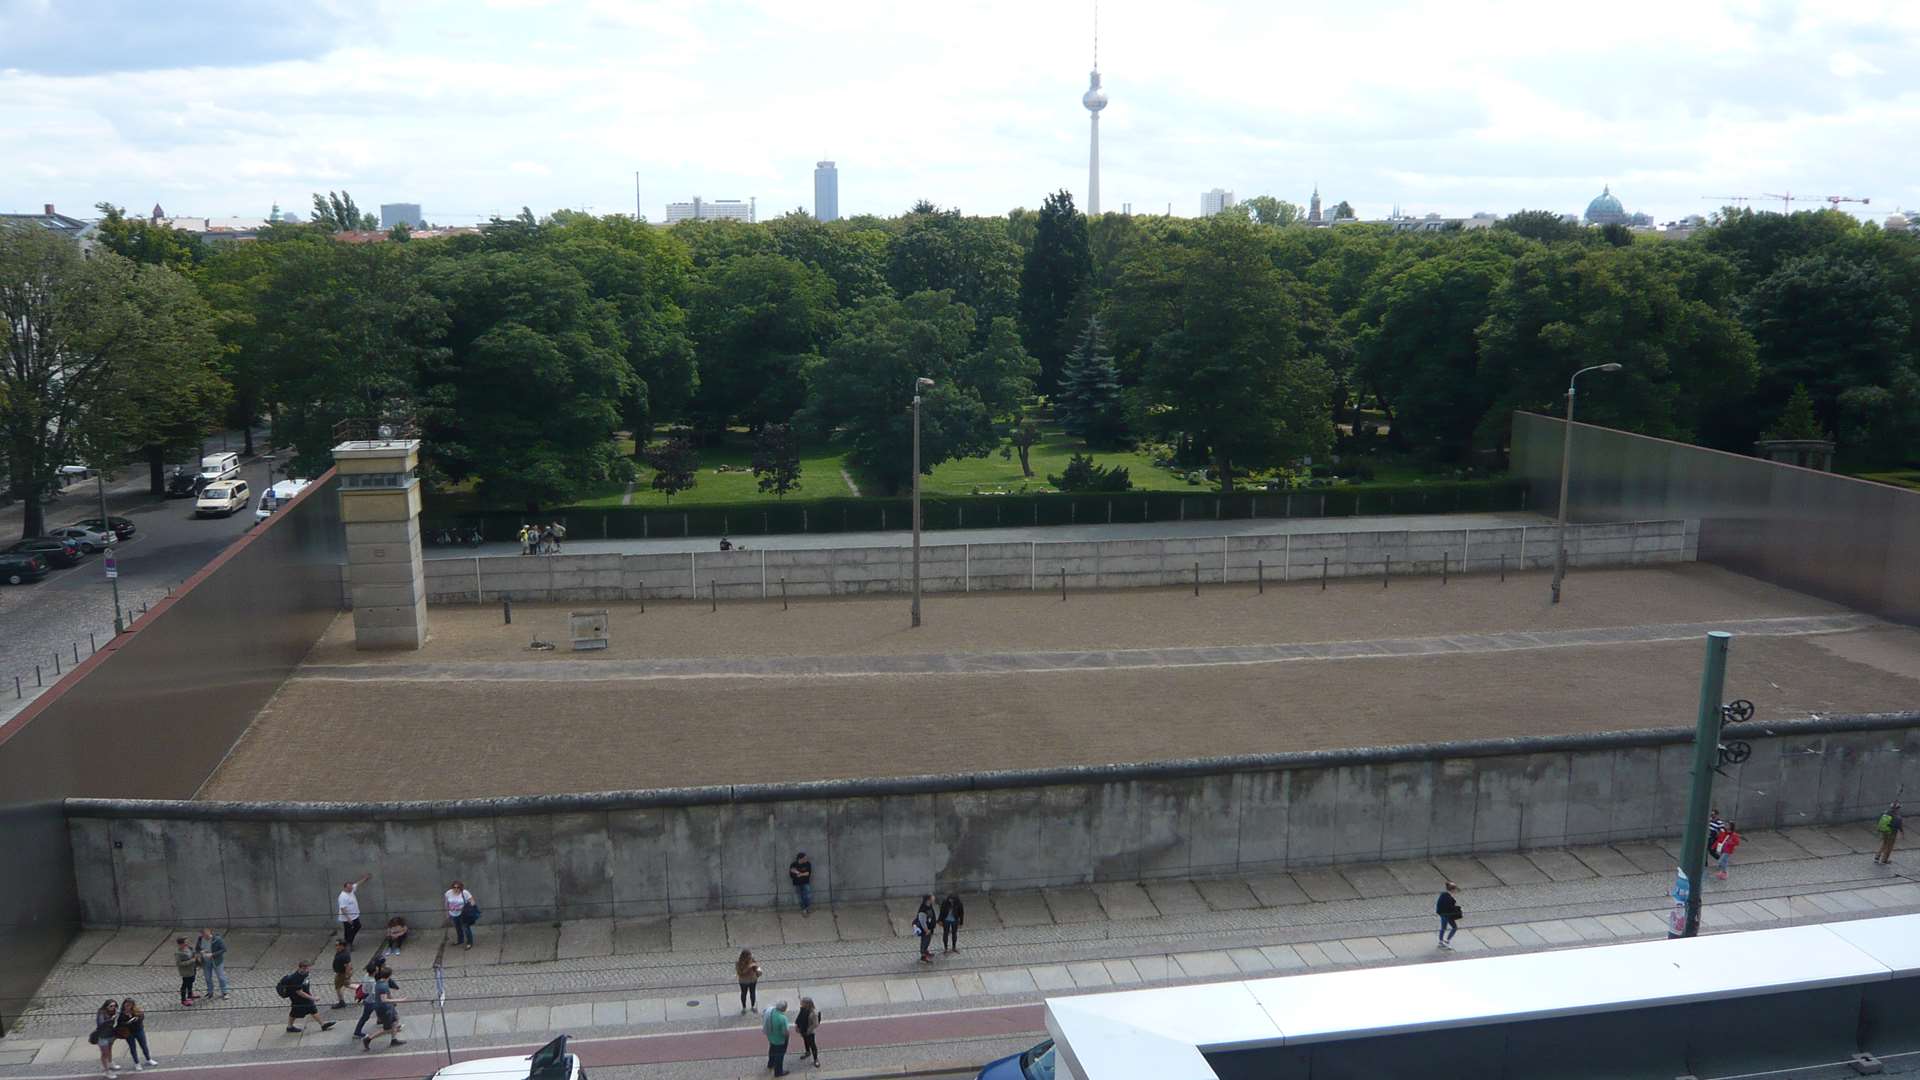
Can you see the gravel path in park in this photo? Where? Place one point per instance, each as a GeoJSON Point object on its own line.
{"type": "Point", "coordinates": [445, 736]}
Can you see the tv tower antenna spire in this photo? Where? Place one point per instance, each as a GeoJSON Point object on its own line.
{"type": "Point", "coordinates": [1094, 99]}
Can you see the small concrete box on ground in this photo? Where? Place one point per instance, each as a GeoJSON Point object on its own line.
{"type": "Point", "coordinates": [589, 629]}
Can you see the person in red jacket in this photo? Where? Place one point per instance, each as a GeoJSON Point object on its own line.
{"type": "Point", "coordinates": [1723, 847]}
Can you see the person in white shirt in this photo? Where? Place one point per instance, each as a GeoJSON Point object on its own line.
{"type": "Point", "coordinates": [459, 903]}
{"type": "Point", "coordinates": [348, 908]}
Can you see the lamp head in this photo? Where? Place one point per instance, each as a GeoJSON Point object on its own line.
{"type": "Point", "coordinates": [923, 382]}
{"type": "Point", "coordinates": [1610, 367]}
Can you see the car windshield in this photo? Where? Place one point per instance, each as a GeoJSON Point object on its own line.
{"type": "Point", "coordinates": [1037, 1063]}
{"type": "Point", "coordinates": [214, 493]}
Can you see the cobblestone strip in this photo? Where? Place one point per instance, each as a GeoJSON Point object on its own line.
{"type": "Point", "coordinates": [1001, 663]}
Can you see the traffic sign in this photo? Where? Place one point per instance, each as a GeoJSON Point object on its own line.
{"type": "Point", "coordinates": [113, 568]}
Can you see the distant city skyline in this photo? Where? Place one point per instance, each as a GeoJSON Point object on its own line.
{"type": "Point", "coordinates": [472, 111]}
{"type": "Point", "coordinates": [826, 191]}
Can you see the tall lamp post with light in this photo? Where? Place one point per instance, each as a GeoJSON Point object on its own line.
{"type": "Point", "coordinates": [1566, 458]}
{"type": "Point", "coordinates": [111, 564]}
{"type": "Point", "coordinates": [918, 385]}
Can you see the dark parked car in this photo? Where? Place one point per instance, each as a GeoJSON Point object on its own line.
{"type": "Point", "coordinates": [184, 485]}
{"type": "Point", "coordinates": [122, 527]}
{"type": "Point", "coordinates": [18, 569]}
{"type": "Point", "coordinates": [55, 551]}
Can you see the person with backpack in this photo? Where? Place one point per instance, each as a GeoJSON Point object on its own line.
{"type": "Point", "coordinates": [342, 972]}
{"type": "Point", "coordinates": [1723, 847]}
{"type": "Point", "coordinates": [213, 960]}
{"type": "Point", "coordinates": [1890, 827]}
{"type": "Point", "coordinates": [923, 923]}
{"type": "Point", "coordinates": [953, 915]}
{"type": "Point", "coordinates": [132, 1027]}
{"type": "Point", "coordinates": [1447, 906]}
{"type": "Point", "coordinates": [106, 1019]}
{"type": "Point", "coordinates": [382, 998]}
{"type": "Point", "coordinates": [462, 913]}
{"type": "Point", "coordinates": [297, 987]}
{"type": "Point", "coordinates": [187, 963]}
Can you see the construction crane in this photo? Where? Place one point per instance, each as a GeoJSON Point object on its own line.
{"type": "Point", "coordinates": [1725, 199]}
{"type": "Point", "coordinates": [1836, 200]}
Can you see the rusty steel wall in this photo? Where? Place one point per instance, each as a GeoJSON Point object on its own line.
{"type": "Point", "coordinates": [1850, 541]}
{"type": "Point", "coordinates": [154, 712]}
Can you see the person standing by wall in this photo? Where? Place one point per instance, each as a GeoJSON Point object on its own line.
{"type": "Point", "coordinates": [106, 1020]}
{"type": "Point", "coordinates": [923, 923]}
{"type": "Point", "coordinates": [1447, 906]}
{"type": "Point", "coordinates": [187, 963]}
{"type": "Point", "coordinates": [747, 969]}
{"type": "Point", "coordinates": [213, 960]}
{"type": "Point", "coordinates": [953, 915]}
{"type": "Point", "coordinates": [133, 1028]}
{"type": "Point", "coordinates": [1723, 848]}
{"type": "Point", "coordinates": [1890, 826]}
{"type": "Point", "coordinates": [342, 973]}
{"type": "Point", "coordinates": [459, 904]}
{"type": "Point", "coordinates": [800, 872]}
{"type": "Point", "coordinates": [775, 1029]}
{"type": "Point", "coordinates": [807, 1023]}
{"type": "Point", "coordinates": [348, 907]}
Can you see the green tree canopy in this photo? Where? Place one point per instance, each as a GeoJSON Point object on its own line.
{"type": "Point", "coordinates": [758, 321]}
{"type": "Point", "coordinates": [1054, 279]}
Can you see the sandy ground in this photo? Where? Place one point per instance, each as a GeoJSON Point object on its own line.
{"type": "Point", "coordinates": [451, 739]}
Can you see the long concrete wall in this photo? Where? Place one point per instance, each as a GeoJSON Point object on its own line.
{"type": "Point", "coordinates": [1101, 564]}
{"type": "Point", "coordinates": [646, 853]}
{"type": "Point", "coordinates": [1846, 540]}
{"type": "Point", "coordinates": [154, 712]}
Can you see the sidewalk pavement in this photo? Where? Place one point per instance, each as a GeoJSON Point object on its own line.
{"type": "Point", "coordinates": [674, 975]}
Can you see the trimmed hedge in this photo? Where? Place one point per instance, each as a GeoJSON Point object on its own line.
{"type": "Point", "coordinates": [997, 511]}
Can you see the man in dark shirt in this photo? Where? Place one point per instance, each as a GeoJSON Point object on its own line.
{"type": "Point", "coordinates": [1448, 908]}
{"type": "Point", "coordinates": [300, 1004]}
{"type": "Point", "coordinates": [800, 871]}
{"type": "Point", "coordinates": [342, 973]}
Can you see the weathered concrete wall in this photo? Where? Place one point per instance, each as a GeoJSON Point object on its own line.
{"type": "Point", "coordinates": [1101, 564]}
{"type": "Point", "coordinates": [645, 853]}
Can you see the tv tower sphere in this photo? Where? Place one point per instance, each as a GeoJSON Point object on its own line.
{"type": "Point", "coordinates": [1095, 98]}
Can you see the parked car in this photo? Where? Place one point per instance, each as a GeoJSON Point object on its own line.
{"type": "Point", "coordinates": [1033, 1064]}
{"type": "Point", "coordinates": [54, 550]}
{"type": "Point", "coordinates": [550, 1062]}
{"type": "Point", "coordinates": [90, 540]}
{"type": "Point", "coordinates": [22, 568]}
{"type": "Point", "coordinates": [221, 499]}
{"type": "Point", "coordinates": [122, 527]}
{"type": "Point", "coordinates": [72, 473]}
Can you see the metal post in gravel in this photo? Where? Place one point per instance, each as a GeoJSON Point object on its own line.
{"type": "Point", "coordinates": [506, 608]}
{"type": "Point", "coordinates": [783, 594]}
{"type": "Point", "coordinates": [713, 594]}
{"type": "Point", "coordinates": [1503, 566]}
{"type": "Point", "coordinates": [1443, 566]}
{"type": "Point", "coordinates": [56, 661]}
{"type": "Point", "coordinates": [17, 692]}
{"type": "Point", "coordinates": [1063, 584]}
{"type": "Point", "coordinates": [36, 676]}
{"type": "Point", "coordinates": [643, 597]}
{"type": "Point", "coordinates": [1323, 573]}
{"type": "Point", "coordinates": [1196, 579]}
{"type": "Point", "coordinates": [1260, 575]}
{"type": "Point", "coordinates": [76, 652]}
{"type": "Point", "coordinates": [1387, 574]}
{"type": "Point", "coordinates": [93, 642]}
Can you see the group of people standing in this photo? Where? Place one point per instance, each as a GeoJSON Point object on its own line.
{"type": "Point", "coordinates": [206, 955]}
{"type": "Point", "coordinates": [121, 1020]}
{"type": "Point", "coordinates": [542, 539]}
{"type": "Point", "coordinates": [774, 1023]}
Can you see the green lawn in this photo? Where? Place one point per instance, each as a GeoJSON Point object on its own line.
{"type": "Point", "coordinates": [1906, 478]}
{"type": "Point", "coordinates": [819, 478]}
{"type": "Point", "coordinates": [994, 473]}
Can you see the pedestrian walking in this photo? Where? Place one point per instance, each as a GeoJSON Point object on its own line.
{"type": "Point", "coordinates": [775, 1029]}
{"type": "Point", "coordinates": [1715, 826]}
{"type": "Point", "coordinates": [800, 872]}
{"type": "Point", "coordinates": [347, 906]}
{"type": "Point", "coordinates": [923, 922]}
{"type": "Point", "coordinates": [1723, 847]}
{"type": "Point", "coordinates": [748, 970]}
{"type": "Point", "coordinates": [187, 963]}
{"type": "Point", "coordinates": [383, 998]}
{"type": "Point", "coordinates": [297, 987]}
{"type": "Point", "coordinates": [213, 960]}
{"type": "Point", "coordinates": [556, 533]}
{"type": "Point", "coordinates": [1447, 906]}
{"type": "Point", "coordinates": [106, 1020]}
{"type": "Point", "coordinates": [342, 972]}
{"type": "Point", "coordinates": [461, 913]}
{"type": "Point", "coordinates": [525, 536]}
{"type": "Point", "coordinates": [1890, 827]}
{"type": "Point", "coordinates": [807, 1023]}
{"type": "Point", "coordinates": [132, 1027]}
{"type": "Point", "coordinates": [953, 915]}
{"type": "Point", "coordinates": [364, 994]}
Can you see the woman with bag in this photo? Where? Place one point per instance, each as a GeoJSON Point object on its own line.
{"type": "Point", "coordinates": [461, 913]}
{"type": "Point", "coordinates": [105, 1020]}
{"type": "Point", "coordinates": [133, 1028]}
{"type": "Point", "coordinates": [953, 915]}
{"type": "Point", "coordinates": [747, 969]}
{"type": "Point", "coordinates": [806, 1023]}
{"type": "Point", "coordinates": [1724, 846]}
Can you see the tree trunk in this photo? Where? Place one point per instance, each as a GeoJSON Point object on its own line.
{"type": "Point", "coordinates": [156, 469]}
{"type": "Point", "coordinates": [1224, 465]}
{"type": "Point", "coordinates": [34, 515]}
{"type": "Point", "coordinates": [1026, 468]}
{"type": "Point", "coordinates": [246, 449]}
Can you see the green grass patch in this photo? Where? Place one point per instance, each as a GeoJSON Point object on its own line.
{"type": "Point", "coordinates": [994, 473]}
{"type": "Point", "coordinates": [1906, 478]}
{"type": "Point", "coordinates": [819, 479]}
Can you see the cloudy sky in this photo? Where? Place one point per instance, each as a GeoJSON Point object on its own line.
{"type": "Point", "coordinates": [475, 107]}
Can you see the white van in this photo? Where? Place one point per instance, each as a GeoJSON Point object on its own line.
{"type": "Point", "coordinates": [221, 499]}
{"type": "Point", "coordinates": [215, 467]}
{"type": "Point", "coordinates": [277, 496]}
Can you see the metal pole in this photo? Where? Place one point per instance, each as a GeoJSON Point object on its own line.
{"type": "Point", "coordinates": [916, 502]}
{"type": "Point", "coordinates": [1386, 576]}
{"type": "Point", "coordinates": [783, 594]}
{"type": "Point", "coordinates": [1560, 519]}
{"type": "Point", "coordinates": [713, 593]}
{"type": "Point", "coordinates": [1323, 573]}
{"type": "Point", "coordinates": [643, 597]}
{"type": "Point", "coordinates": [1503, 566]}
{"type": "Point", "coordinates": [506, 608]}
{"type": "Point", "coordinates": [1443, 566]}
{"type": "Point", "coordinates": [1063, 584]}
{"type": "Point", "coordinates": [1260, 575]}
{"type": "Point", "coordinates": [1706, 754]}
{"type": "Point", "coordinates": [106, 523]}
{"type": "Point", "coordinates": [1196, 579]}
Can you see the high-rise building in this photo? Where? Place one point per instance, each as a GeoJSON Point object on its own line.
{"type": "Point", "coordinates": [826, 191]}
{"type": "Point", "coordinates": [1212, 202]}
{"type": "Point", "coordinates": [1094, 99]}
{"type": "Point", "coordinates": [401, 213]}
{"type": "Point", "coordinates": [710, 210]}
{"type": "Point", "coordinates": [1313, 208]}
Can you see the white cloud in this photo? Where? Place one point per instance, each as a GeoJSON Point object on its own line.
{"type": "Point", "coordinates": [1448, 105]}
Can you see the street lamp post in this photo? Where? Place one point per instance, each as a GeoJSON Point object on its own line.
{"type": "Point", "coordinates": [1566, 458]}
{"type": "Point", "coordinates": [106, 525]}
{"type": "Point", "coordinates": [917, 385]}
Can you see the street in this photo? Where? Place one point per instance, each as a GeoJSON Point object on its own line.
{"type": "Point", "coordinates": [57, 614]}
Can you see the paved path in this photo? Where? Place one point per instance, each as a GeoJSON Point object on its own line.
{"type": "Point", "coordinates": [579, 544]}
{"type": "Point", "coordinates": [1000, 663]}
{"type": "Point", "coordinates": [629, 980]}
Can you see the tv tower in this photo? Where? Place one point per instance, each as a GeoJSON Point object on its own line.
{"type": "Point", "coordinates": [1094, 99]}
